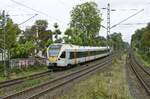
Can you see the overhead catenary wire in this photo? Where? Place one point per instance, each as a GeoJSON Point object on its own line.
{"type": "Point", "coordinates": [40, 12]}
{"type": "Point", "coordinates": [27, 19]}
{"type": "Point", "coordinates": [21, 15]}
{"type": "Point", "coordinates": [118, 9]}
{"type": "Point", "coordinates": [132, 9]}
{"type": "Point", "coordinates": [134, 23]}
{"type": "Point", "coordinates": [62, 3]}
{"type": "Point", "coordinates": [127, 18]}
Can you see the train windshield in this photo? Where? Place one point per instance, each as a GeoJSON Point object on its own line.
{"type": "Point", "coordinates": [54, 50]}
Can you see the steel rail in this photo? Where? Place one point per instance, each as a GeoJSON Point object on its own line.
{"type": "Point", "coordinates": [140, 77]}
{"type": "Point", "coordinates": [9, 83]}
{"type": "Point", "coordinates": [135, 60]}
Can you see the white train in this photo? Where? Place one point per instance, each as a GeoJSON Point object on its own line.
{"type": "Point", "coordinates": [63, 55]}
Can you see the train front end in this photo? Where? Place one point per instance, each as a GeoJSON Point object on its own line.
{"type": "Point", "coordinates": [53, 52]}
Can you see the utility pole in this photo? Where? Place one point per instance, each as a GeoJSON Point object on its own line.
{"type": "Point", "coordinates": [108, 43]}
{"type": "Point", "coordinates": [5, 52]}
{"type": "Point", "coordinates": [108, 25]}
{"type": "Point", "coordinates": [108, 22]}
{"type": "Point", "coordinates": [4, 41]}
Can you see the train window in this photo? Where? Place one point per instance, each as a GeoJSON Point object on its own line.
{"type": "Point", "coordinates": [92, 53]}
{"type": "Point", "coordinates": [72, 55]}
{"type": "Point", "coordinates": [54, 50]}
{"type": "Point", "coordinates": [78, 54]}
{"type": "Point", "coordinates": [63, 55]}
{"type": "Point", "coordinates": [82, 54]}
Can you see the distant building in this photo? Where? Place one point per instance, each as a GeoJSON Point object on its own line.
{"type": "Point", "coordinates": [19, 36]}
{"type": "Point", "coordinates": [2, 54]}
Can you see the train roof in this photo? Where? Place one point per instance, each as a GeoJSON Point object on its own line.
{"type": "Point", "coordinates": [71, 46]}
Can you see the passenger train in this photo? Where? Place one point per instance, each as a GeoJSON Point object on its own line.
{"type": "Point", "coordinates": [64, 55]}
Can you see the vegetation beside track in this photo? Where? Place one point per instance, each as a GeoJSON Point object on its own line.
{"type": "Point", "coordinates": [140, 43]}
{"type": "Point", "coordinates": [32, 82]}
{"type": "Point", "coordinates": [102, 85]}
{"type": "Point", "coordinates": [16, 73]}
{"type": "Point", "coordinates": [145, 62]}
{"type": "Point", "coordinates": [25, 85]}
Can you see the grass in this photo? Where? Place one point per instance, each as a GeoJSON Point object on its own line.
{"type": "Point", "coordinates": [15, 73]}
{"type": "Point", "coordinates": [29, 83]}
{"type": "Point", "coordinates": [103, 85]}
{"type": "Point", "coordinates": [24, 85]}
{"type": "Point", "coordinates": [146, 63]}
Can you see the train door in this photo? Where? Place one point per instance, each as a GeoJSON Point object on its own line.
{"type": "Point", "coordinates": [67, 57]}
{"type": "Point", "coordinates": [63, 61]}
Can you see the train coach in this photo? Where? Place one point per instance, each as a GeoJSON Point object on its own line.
{"type": "Point", "coordinates": [64, 55]}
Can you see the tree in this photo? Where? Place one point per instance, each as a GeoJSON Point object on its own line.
{"type": "Point", "coordinates": [86, 19]}
{"type": "Point", "coordinates": [39, 34]}
{"type": "Point", "coordinates": [69, 32]}
{"type": "Point", "coordinates": [23, 50]}
{"type": "Point", "coordinates": [137, 38]}
{"type": "Point", "coordinates": [115, 40]}
{"type": "Point", "coordinates": [11, 31]}
{"type": "Point", "coordinates": [141, 42]}
{"type": "Point", "coordinates": [146, 37]}
{"type": "Point", "coordinates": [57, 32]}
{"type": "Point", "coordinates": [141, 39]}
{"type": "Point", "coordinates": [39, 31]}
{"type": "Point", "coordinates": [100, 41]}
{"type": "Point", "coordinates": [41, 24]}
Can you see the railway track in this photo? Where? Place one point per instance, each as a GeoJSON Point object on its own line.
{"type": "Point", "coordinates": [53, 84]}
{"type": "Point", "coordinates": [9, 83]}
{"type": "Point", "coordinates": [142, 75]}
{"type": "Point", "coordinates": [20, 80]}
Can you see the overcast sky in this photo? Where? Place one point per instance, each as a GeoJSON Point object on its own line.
{"type": "Point", "coordinates": [59, 11]}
